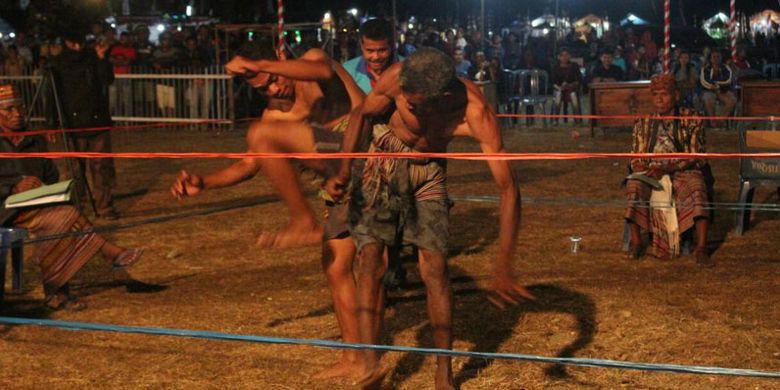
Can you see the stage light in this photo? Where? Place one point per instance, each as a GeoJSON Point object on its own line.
{"type": "Point", "coordinates": [160, 28]}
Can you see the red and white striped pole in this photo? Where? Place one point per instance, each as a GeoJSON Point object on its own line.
{"type": "Point", "coordinates": [280, 32]}
{"type": "Point", "coordinates": [668, 35]}
{"type": "Point", "coordinates": [733, 28]}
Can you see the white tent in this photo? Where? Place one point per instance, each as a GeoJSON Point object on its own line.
{"type": "Point", "coordinates": [5, 28]}
{"type": "Point", "coordinates": [717, 26]}
{"type": "Point", "coordinates": [632, 19]}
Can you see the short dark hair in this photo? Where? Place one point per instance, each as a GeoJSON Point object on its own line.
{"type": "Point", "coordinates": [377, 29]}
{"type": "Point", "coordinates": [563, 49]}
{"type": "Point", "coordinates": [259, 49]}
{"type": "Point", "coordinates": [427, 71]}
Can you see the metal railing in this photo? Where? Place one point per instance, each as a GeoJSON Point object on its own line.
{"type": "Point", "coordinates": [202, 97]}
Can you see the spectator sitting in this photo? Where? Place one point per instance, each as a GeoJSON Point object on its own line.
{"type": "Point", "coordinates": [566, 78]}
{"type": "Point", "coordinates": [605, 71]}
{"type": "Point", "coordinates": [683, 181]}
{"type": "Point", "coordinates": [60, 258]}
{"type": "Point", "coordinates": [687, 79]}
{"type": "Point", "coordinates": [717, 82]}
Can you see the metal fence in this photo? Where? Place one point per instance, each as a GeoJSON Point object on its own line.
{"type": "Point", "coordinates": [202, 97]}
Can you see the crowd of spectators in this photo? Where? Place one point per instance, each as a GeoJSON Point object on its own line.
{"type": "Point", "coordinates": [572, 63]}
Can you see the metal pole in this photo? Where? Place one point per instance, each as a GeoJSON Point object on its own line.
{"type": "Point", "coordinates": [482, 23]}
{"type": "Point", "coordinates": [555, 30]}
{"type": "Point", "coordinates": [395, 27]}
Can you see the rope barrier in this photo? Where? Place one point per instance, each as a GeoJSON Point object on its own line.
{"type": "Point", "coordinates": [469, 156]}
{"type": "Point", "coordinates": [572, 202]}
{"type": "Point", "coordinates": [210, 335]}
{"type": "Point", "coordinates": [770, 118]}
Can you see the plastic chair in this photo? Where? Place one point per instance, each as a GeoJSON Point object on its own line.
{"type": "Point", "coordinates": [516, 81]}
{"type": "Point", "coordinates": [536, 96]}
{"type": "Point", "coordinates": [755, 172]}
{"type": "Point", "coordinates": [12, 238]}
{"type": "Point", "coordinates": [770, 71]}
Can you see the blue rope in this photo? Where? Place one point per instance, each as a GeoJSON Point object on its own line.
{"type": "Point", "coordinates": [586, 362]}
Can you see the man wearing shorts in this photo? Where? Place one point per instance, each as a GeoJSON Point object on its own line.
{"type": "Point", "coordinates": [405, 200]}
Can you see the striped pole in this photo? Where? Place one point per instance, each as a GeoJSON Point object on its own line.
{"type": "Point", "coordinates": [668, 35]}
{"type": "Point", "coordinates": [280, 29]}
{"type": "Point", "coordinates": [733, 27]}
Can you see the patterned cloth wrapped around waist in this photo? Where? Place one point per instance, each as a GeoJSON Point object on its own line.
{"type": "Point", "coordinates": [422, 178]}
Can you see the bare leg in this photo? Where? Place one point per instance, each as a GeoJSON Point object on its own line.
{"type": "Point", "coordinates": [287, 137]}
{"type": "Point", "coordinates": [371, 268]}
{"type": "Point", "coordinates": [337, 256]}
{"type": "Point", "coordinates": [434, 272]}
{"type": "Point", "coordinates": [702, 256]}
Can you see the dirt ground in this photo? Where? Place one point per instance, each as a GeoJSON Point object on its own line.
{"type": "Point", "coordinates": [204, 273]}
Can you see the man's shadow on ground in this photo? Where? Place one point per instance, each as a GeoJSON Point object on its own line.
{"type": "Point", "coordinates": [487, 328]}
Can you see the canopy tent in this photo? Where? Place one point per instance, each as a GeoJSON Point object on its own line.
{"type": "Point", "coordinates": [5, 28]}
{"type": "Point", "coordinates": [717, 26]}
{"type": "Point", "coordinates": [632, 19]}
{"type": "Point", "coordinates": [766, 21]}
{"type": "Point", "coordinates": [589, 22]}
{"type": "Point", "coordinates": [545, 24]}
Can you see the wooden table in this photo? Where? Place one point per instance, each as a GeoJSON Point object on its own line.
{"type": "Point", "coordinates": [619, 98]}
{"type": "Point", "coordinates": [760, 98]}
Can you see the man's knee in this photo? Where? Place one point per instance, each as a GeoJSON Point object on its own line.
{"type": "Point", "coordinates": [433, 267]}
{"type": "Point", "coordinates": [370, 260]}
{"type": "Point", "coordinates": [708, 98]}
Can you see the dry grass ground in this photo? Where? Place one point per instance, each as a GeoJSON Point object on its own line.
{"type": "Point", "coordinates": [204, 273]}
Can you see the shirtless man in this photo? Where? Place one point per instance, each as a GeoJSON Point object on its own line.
{"type": "Point", "coordinates": [310, 101]}
{"type": "Point", "coordinates": [406, 200]}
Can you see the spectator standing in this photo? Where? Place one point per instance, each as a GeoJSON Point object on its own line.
{"type": "Point", "coordinates": [83, 76]}
{"type": "Point", "coordinates": [122, 55]}
{"type": "Point", "coordinates": [164, 59]}
{"type": "Point", "coordinates": [462, 65]}
{"type": "Point", "coordinates": [198, 93]}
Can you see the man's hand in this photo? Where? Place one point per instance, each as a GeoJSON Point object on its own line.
{"type": "Point", "coordinates": [504, 290]}
{"type": "Point", "coordinates": [186, 185]}
{"type": "Point", "coordinates": [336, 187]}
{"type": "Point", "coordinates": [27, 183]}
{"type": "Point", "coordinates": [240, 66]}
{"type": "Point", "coordinates": [100, 49]}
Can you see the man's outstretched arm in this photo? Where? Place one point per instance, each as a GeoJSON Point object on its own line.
{"type": "Point", "coordinates": [314, 65]}
{"type": "Point", "coordinates": [484, 128]}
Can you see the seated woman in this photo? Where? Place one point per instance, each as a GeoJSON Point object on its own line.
{"type": "Point", "coordinates": [62, 257]}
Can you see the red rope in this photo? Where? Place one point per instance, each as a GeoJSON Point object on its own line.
{"type": "Point", "coordinates": [249, 119]}
{"type": "Point", "coordinates": [453, 156]}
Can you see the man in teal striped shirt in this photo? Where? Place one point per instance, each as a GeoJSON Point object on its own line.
{"type": "Point", "coordinates": [377, 47]}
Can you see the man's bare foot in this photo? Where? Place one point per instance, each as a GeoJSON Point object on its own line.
{"type": "Point", "coordinates": [372, 380]}
{"type": "Point", "coordinates": [342, 369]}
{"type": "Point", "coordinates": [291, 236]}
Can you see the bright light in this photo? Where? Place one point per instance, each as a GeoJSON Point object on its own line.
{"type": "Point", "coordinates": [178, 28]}
{"type": "Point", "coordinates": [113, 25]}
{"type": "Point", "coordinates": [1, 35]}
{"type": "Point", "coordinates": [327, 17]}
{"type": "Point", "coordinates": [353, 11]}
{"type": "Point", "coordinates": [12, 35]}
{"type": "Point", "coordinates": [160, 28]}
{"type": "Point", "coordinates": [721, 16]}
{"type": "Point", "coordinates": [545, 31]}
{"type": "Point", "coordinates": [188, 10]}
{"type": "Point", "coordinates": [411, 26]}
{"type": "Point", "coordinates": [632, 17]}
{"type": "Point", "coordinates": [606, 25]}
